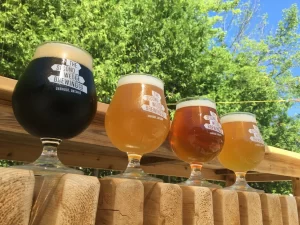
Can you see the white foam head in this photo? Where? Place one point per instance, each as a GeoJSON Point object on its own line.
{"type": "Point", "coordinates": [196, 102]}
{"type": "Point", "coordinates": [66, 51]}
{"type": "Point", "coordinates": [238, 117]}
{"type": "Point", "coordinates": [141, 79]}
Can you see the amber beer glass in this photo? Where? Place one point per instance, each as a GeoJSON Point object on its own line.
{"type": "Point", "coordinates": [55, 99]}
{"type": "Point", "coordinates": [137, 120]}
{"type": "Point", "coordinates": [196, 136]}
{"type": "Point", "coordinates": [244, 147]}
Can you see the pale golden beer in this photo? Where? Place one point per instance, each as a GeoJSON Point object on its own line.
{"type": "Point", "coordinates": [137, 120]}
{"type": "Point", "coordinates": [244, 147]}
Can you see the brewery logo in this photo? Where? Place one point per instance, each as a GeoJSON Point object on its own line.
{"type": "Point", "coordinates": [213, 123]}
{"type": "Point", "coordinates": [154, 105]}
{"type": "Point", "coordinates": [68, 76]}
{"type": "Point", "coordinates": [256, 135]}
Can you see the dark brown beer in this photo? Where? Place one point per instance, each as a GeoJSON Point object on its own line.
{"type": "Point", "coordinates": [56, 95]}
{"type": "Point", "coordinates": [196, 134]}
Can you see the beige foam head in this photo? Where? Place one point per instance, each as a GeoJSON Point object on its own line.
{"type": "Point", "coordinates": [196, 102]}
{"type": "Point", "coordinates": [64, 50]}
{"type": "Point", "coordinates": [142, 79]}
{"type": "Point", "coordinates": [238, 117]}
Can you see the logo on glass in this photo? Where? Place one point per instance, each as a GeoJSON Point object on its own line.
{"type": "Point", "coordinates": [256, 135]}
{"type": "Point", "coordinates": [68, 75]}
{"type": "Point", "coordinates": [154, 105]}
{"type": "Point", "coordinates": [213, 123]}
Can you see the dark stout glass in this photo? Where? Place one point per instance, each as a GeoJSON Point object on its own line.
{"type": "Point", "coordinates": [49, 109]}
{"type": "Point", "coordinates": [55, 99]}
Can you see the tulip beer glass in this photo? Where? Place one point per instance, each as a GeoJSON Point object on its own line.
{"type": "Point", "coordinates": [137, 120]}
{"type": "Point", "coordinates": [55, 99]}
{"type": "Point", "coordinates": [244, 147]}
{"type": "Point", "coordinates": [196, 136]}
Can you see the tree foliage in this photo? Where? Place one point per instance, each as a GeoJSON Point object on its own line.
{"type": "Point", "coordinates": [197, 47]}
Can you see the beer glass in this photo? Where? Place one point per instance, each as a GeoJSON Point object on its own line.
{"type": "Point", "coordinates": [196, 136]}
{"type": "Point", "coordinates": [137, 120]}
{"type": "Point", "coordinates": [55, 99]}
{"type": "Point", "coordinates": [244, 147]}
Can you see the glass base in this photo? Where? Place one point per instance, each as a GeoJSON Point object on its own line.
{"type": "Point", "coordinates": [199, 183]}
{"type": "Point", "coordinates": [41, 170]}
{"type": "Point", "coordinates": [135, 174]}
{"type": "Point", "coordinates": [242, 187]}
{"type": "Point", "coordinates": [48, 163]}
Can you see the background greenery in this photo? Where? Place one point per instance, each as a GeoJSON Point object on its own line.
{"type": "Point", "coordinates": [197, 47]}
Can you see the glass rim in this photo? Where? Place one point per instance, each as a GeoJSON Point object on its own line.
{"type": "Point", "coordinates": [141, 74]}
{"type": "Point", "coordinates": [186, 99]}
{"type": "Point", "coordinates": [239, 113]}
{"type": "Point", "coordinates": [65, 43]}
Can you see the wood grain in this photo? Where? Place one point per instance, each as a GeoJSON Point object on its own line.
{"type": "Point", "coordinates": [250, 208]}
{"type": "Point", "coordinates": [64, 199]}
{"type": "Point", "coordinates": [163, 204]}
{"type": "Point", "coordinates": [271, 209]}
{"type": "Point", "coordinates": [197, 206]}
{"type": "Point", "coordinates": [296, 186]}
{"type": "Point", "coordinates": [121, 202]}
{"type": "Point", "coordinates": [289, 210]}
{"type": "Point", "coordinates": [226, 207]}
{"type": "Point", "coordinates": [16, 193]}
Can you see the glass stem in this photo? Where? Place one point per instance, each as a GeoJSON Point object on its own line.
{"type": "Point", "coordinates": [134, 166]}
{"type": "Point", "coordinates": [196, 172]}
{"type": "Point", "coordinates": [49, 157]}
{"type": "Point", "coordinates": [240, 179]}
{"type": "Point", "coordinates": [134, 161]}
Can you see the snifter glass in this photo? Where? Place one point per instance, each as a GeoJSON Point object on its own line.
{"type": "Point", "coordinates": [196, 136]}
{"type": "Point", "coordinates": [137, 120]}
{"type": "Point", "coordinates": [55, 99]}
{"type": "Point", "coordinates": [244, 147]}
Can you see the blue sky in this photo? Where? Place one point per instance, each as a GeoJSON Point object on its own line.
{"type": "Point", "coordinates": [274, 9]}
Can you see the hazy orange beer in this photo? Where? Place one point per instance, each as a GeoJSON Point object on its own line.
{"type": "Point", "coordinates": [137, 120]}
{"type": "Point", "coordinates": [196, 134]}
{"type": "Point", "coordinates": [244, 147]}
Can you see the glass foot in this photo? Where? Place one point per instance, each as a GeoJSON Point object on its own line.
{"type": "Point", "coordinates": [48, 163]}
{"type": "Point", "coordinates": [135, 174]}
{"type": "Point", "coordinates": [246, 187]}
{"type": "Point", "coordinates": [199, 183]}
{"type": "Point", "coordinates": [42, 170]}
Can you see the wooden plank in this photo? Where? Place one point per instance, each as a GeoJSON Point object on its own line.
{"type": "Point", "coordinates": [226, 207]}
{"type": "Point", "coordinates": [197, 207]}
{"type": "Point", "coordinates": [298, 207]}
{"type": "Point", "coordinates": [250, 208]}
{"type": "Point", "coordinates": [296, 186]}
{"type": "Point", "coordinates": [19, 146]}
{"type": "Point", "coordinates": [263, 177]}
{"type": "Point", "coordinates": [229, 180]}
{"type": "Point", "coordinates": [120, 202]}
{"type": "Point", "coordinates": [271, 209]}
{"type": "Point", "coordinates": [65, 199]}
{"type": "Point", "coordinates": [289, 210]}
{"type": "Point", "coordinates": [16, 193]}
{"type": "Point", "coordinates": [163, 204]}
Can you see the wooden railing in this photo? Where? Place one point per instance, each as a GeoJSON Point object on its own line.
{"type": "Point", "coordinates": [84, 200]}
{"type": "Point", "coordinates": [93, 149]}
